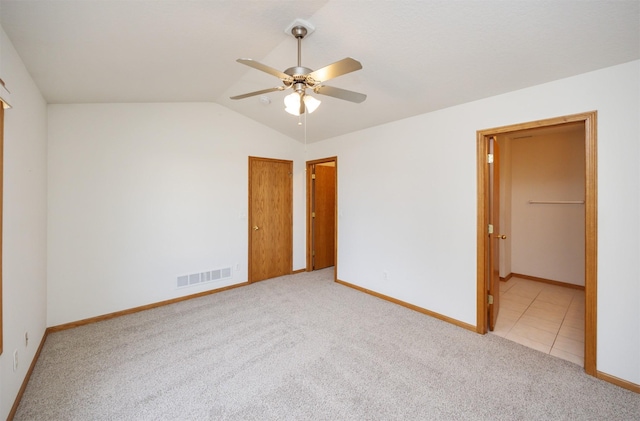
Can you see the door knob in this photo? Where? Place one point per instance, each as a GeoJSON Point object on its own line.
{"type": "Point", "coordinates": [502, 237]}
{"type": "Point", "coordinates": [255, 228]}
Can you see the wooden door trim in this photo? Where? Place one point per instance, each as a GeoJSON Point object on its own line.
{"type": "Point", "coordinates": [309, 164]}
{"type": "Point", "coordinates": [591, 219]}
{"type": "Point", "coordinates": [250, 213]}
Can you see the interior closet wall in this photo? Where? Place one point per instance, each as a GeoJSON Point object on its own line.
{"type": "Point", "coordinates": [505, 205]}
{"type": "Point", "coordinates": [547, 240]}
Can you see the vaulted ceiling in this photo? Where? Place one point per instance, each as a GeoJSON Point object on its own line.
{"type": "Point", "coordinates": [417, 56]}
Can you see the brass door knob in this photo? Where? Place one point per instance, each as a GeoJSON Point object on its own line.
{"type": "Point", "coordinates": [502, 237]}
{"type": "Point", "coordinates": [255, 228]}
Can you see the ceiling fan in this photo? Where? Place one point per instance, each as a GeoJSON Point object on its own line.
{"type": "Point", "coordinates": [301, 78]}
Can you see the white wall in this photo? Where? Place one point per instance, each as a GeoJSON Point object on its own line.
{"type": "Point", "coordinates": [24, 225]}
{"type": "Point", "coordinates": [547, 240]}
{"type": "Point", "coordinates": [407, 203]}
{"type": "Point", "coordinates": [142, 193]}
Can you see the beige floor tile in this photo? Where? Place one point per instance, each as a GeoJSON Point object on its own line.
{"type": "Point", "coordinates": [577, 307]}
{"type": "Point", "coordinates": [507, 313]}
{"type": "Point", "coordinates": [544, 314]}
{"type": "Point", "coordinates": [572, 333]}
{"type": "Point", "coordinates": [534, 333]}
{"type": "Point", "coordinates": [528, 342]}
{"type": "Point", "coordinates": [523, 291]}
{"type": "Point", "coordinates": [555, 298]}
{"type": "Point", "coordinates": [575, 312]}
{"type": "Point", "coordinates": [567, 356]}
{"type": "Point", "coordinates": [503, 327]}
{"type": "Point", "coordinates": [507, 303]}
{"type": "Point", "coordinates": [558, 288]}
{"type": "Point", "coordinates": [578, 299]}
{"type": "Point", "coordinates": [569, 345]}
{"type": "Point", "coordinates": [518, 298]}
{"type": "Point", "coordinates": [506, 286]}
{"type": "Point", "coordinates": [549, 318]}
{"type": "Point", "coordinates": [549, 326]}
{"type": "Point", "coordinates": [577, 323]}
{"type": "Point", "coordinates": [550, 307]}
{"type": "Point", "coordinates": [530, 283]}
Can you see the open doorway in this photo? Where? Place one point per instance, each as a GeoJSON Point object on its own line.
{"type": "Point", "coordinates": [488, 239]}
{"type": "Point", "coordinates": [321, 213]}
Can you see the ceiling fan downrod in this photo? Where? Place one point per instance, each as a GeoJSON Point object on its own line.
{"type": "Point", "coordinates": [299, 32]}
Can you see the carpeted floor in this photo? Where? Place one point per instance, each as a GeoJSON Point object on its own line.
{"type": "Point", "coordinates": [304, 348]}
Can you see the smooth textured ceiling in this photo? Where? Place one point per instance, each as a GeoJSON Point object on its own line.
{"type": "Point", "coordinates": [417, 56]}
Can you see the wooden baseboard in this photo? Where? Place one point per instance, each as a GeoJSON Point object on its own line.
{"type": "Point", "coordinates": [27, 377]}
{"type": "Point", "coordinates": [299, 271]}
{"type": "Point", "coordinates": [113, 315]}
{"type": "Point", "coordinates": [410, 306]}
{"type": "Point", "coordinates": [618, 381]}
{"type": "Point", "coordinates": [547, 281]}
{"type": "Point", "coordinates": [506, 278]}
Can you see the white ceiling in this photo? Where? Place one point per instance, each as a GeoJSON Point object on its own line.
{"type": "Point", "coordinates": [417, 56]}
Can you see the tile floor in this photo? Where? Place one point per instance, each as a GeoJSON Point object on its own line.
{"type": "Point", "coordinates": [541, 316]}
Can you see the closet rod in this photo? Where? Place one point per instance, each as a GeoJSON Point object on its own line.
{"type": "Point", "coordinates": [556, 202]}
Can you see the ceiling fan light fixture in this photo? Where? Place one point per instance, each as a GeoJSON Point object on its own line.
{"type": "Point", "coordinates": [311, 103]}
{"type": "Point", "coordinates": [292, 103]}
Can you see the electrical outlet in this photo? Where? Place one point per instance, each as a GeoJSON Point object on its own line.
{"type": "Point", "coordinates": [26, 339]}
{"type": "Point", "coordinates": [15, 360]}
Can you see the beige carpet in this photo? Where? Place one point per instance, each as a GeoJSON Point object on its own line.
{"type": "Point", "coordinates": [304, 348]}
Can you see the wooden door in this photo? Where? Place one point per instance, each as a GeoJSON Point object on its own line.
{"type": "Point", "coordinates": [270, 218]}
{"type": "Point", "coordinates": [493, 264]}
{"type": "Point", "coordinates": [323, 215]}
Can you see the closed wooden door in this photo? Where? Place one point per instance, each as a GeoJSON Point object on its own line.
{"type": "Point", "coordinates": [270, 218]}
{"type": "Point", "coordinates": [324, 215]}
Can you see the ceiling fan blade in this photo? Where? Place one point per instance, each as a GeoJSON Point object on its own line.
{"type": "Point", "coordinates": [339, 68]}
{"type": "Point", "coordinates": [340, 93]}
{"type": "Point", "coordinates": [264, 91]}
{"type": "Point", "coordinates": [264, 68]}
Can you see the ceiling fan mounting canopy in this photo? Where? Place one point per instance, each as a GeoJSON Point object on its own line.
{"type": "Point", "coordinates": [300, 78]}
{"type": "Point", "coordinates": [299, 31]}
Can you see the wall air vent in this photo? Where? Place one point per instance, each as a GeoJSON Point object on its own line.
{"type": "Point", "coordinates": [202, 277]}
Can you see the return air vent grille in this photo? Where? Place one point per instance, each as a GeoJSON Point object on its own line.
{"type": "Point", "coordinates": [202, 277]}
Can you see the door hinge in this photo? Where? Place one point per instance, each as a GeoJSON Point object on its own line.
{"type": "Point", "coordinates": [490, 228]}
{"type": "Point", "coordinates": [313, 176]}
{"type": "Point", "coordinates": [313, 214]}
{"type": "Point", "coordinates": [490, 158]}
{"type": "Point", "coordinates": [313, 253]}
{"type": "Point", "coordinates": [490, 299]}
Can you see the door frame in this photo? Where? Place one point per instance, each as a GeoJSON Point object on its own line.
{"type": "Point", "coordinates": [250, 214]}
{"type": "Point", "coordinates": [309, 164]}
{"type": "Point", "coordinates": [591, 220]}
